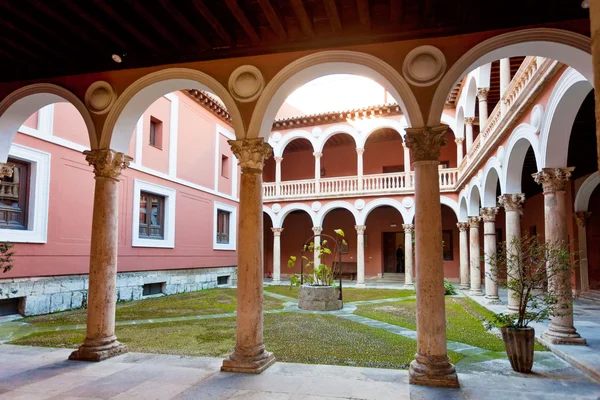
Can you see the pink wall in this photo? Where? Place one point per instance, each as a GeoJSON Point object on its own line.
{"type": "Point", "coordinates": [296, 165]}
{"type": "Point", "coordinates": [68, 124]}
{"type": "Point", "coordinates": [380, 154]}
{"type": "Point", "coordinates": [339, 160]}
{"type": "Point", "coordinates": [32, 121]}
{"type": "Point", "coordinates": [157, 158]}
{"type": "Point", "coordinates": [225, 177]}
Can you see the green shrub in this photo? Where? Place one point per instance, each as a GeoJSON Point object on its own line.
{"type": "Point", "coordinates": [449, 289]}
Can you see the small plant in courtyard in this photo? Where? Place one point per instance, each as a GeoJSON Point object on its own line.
{"type": "Point", "coordinates": [449, 289]}
{"type": "Point", "coordinates": [6, 253]}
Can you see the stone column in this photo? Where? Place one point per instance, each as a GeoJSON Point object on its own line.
{"type": "Point", "coordinates": [360, 255]}
{"type": "Point", "coordinates": [475, 256]}
{"type": "Point", "coordinates": [249, 355]}
{"type": "Point", "coordinates": [278, 161]}
{"type": "Point", "coordinates": [488, 214]}
{"type": "Point", "coordinates": [100, 342]}
{"type": "Point", "coordinates": [594, 7]}
{"type": "Point", "coordinates": [553, 180]}
{"type": "Point", "coordinates": [459, 150]}
{"type": "Point", "coordinates": [359, 153]}
{"type": "Point", "coordinates": [406, 157]}
{"type": "Point", "coordinates": [6, 170]}
{"type": "Point", "coordinates": [513, 207]}
{"type": "Point", "coordinates": [581, 220]}
{"type": "Point", "coordinates": [469, 132]}
{"type": "Point", "coordinates": [504, 82]}
{"type": "Point", "coordinates": [277, 255]}
{"type": "Point", "coordinates": [316, 243]}
{"type": "Point", "coordinates": [317, 172]}
{"type": "Point", "coordinates": [482, 95]}
{"type": "Point", "coordinates": [431, 366]}
{"type": "Point", "coordinates": [464, 255]}
{"type": "Point", "coordinates": [408, 256]}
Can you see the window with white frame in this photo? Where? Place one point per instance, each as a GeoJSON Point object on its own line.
{"type": "Point", "coordinates": [154, 215]}
{"type": "Point", "coordinates": [24, 198]}
{"type": "Point", "coordinates": [224, 236]}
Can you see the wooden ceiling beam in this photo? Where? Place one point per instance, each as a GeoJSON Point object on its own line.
{"type": "Point", "coordinates": [22, 49]}
{"type": "Point", "coordinates": [364, 12]}
{"type": "Point", "coordinates": [32, 39]}
{"type": "Point", "coordinates": [396, 11]}
{"type": "Point", "coordinates": [274, 21]}
{"type": "Point", "coordinates": [62, 22]}
{"type": "Point", "coordinates": [303, 18]}
{"type": "Point", "coordinates": [333, 15]}
{"type": "Point", "coordinates": [239, 15]}
{"type": "Point", "coordinates": [94, 22]}
{"type": "Point", "coordinates": [210, 18]}
{"type": "Point", "coordinates": [185, 24]}
{"type": "Point", "coordinates": [156, 24]}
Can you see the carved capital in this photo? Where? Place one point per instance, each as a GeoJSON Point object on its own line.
{"type": "Point", "coordinates": [6, 170]}
{"type": "Point", "coordinates": [512, 202]}
{"type": "Point", "coordinates": [469, 120]}
{"type": "Point", "coordinates": [408, 228]}
{"type": "Point", "coordinates": [360, 151]}
{"type": "Point", "coordinates": [425, 143]}
{"type": "Point", "coordinates": [488, 214]}
{"type": "Point", "coordinates": [278, 159]}
{"type": "Point", "coordinates": [462, 226]}
{"type": "Point", "coordinates": [317, 230]}
{"type": "Point", "coordinates": [251, 154]}
{"type": "Point", "coordinates": [459, 141]}
{"type": "Point", "coordinates": [360, 229]}
{"type": "Point", "coordinates": [482, 93]}
{"type": "Point", "coordinates": [553, 179]}
{"type": "Point", "coordinates": [474, 222]}
{"type": "Point", "coordinates": [277, 231]}
{"type": "Point", "coordinates": [317, 154]}
{"type": "Point", "coordinates": [581, 218]}
{"type": "Point", "coordinates": [107, 163]}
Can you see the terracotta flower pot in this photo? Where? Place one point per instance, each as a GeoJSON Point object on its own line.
{"type": "Point", "coordinates": [519, 347]}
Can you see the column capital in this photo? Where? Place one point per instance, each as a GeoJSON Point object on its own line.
{"type": "Point", "coordinates": [360, 150]}
{"type": "Point", "coordinates": [512, 202]}
{"type": "Point", "coordinates": [459, 140]}
{"type": "Point", "coordinates": [462, 226]}
{"type": "Point", "coordinates": [469, 120]}
{"type": "Point", "coordinates": [425, 143]}
{"type": "Point", "coordinates": [488, 214]}
{"type": "Point", "coordinates": [360, 229]}
{"type": "Point", "coordinates": [408, 228]}
{"type": "Point", "coordinates": [107, 163]}
{"type": "Point", "coordinates": [553, 179]}
{"type": "Point", "coordinates": [317, 230]}
{"type": "Point", "coordinates": [277, 231]}
{"type": "Point", "coordinates": [482, 93]}
{"type": "Point", "coordinates": [317, 154]}
{"type": "Point", "coordinates": [581, 218]}
{"type": "Point", "coordinates": [278, 159]}
{"type": "Point", "coordinates": [474, 222]}
{"type": "Point", "coordinates": [6, 170]}
{"type": "Point", "coordinates": [251, 154]}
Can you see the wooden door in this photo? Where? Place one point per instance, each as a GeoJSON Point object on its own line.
{"type": "Point", "coordinates": [389, 252]}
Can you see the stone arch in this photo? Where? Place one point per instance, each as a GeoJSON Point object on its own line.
{"type": "Point", "coordinates": [271, 215]}
{"type": "Point", "coordinates": [280, 217]}
{"type": "Point", "coordinates": [377, 124]}
{"type": "Point", "coordinates": [333, 205]}
{"type": "Point", "coordinates": [463, 211]}
{"type": "Point", "coordinates": [279, 147]}
{"type": "Point", "coordinates": [335, 130]}
{"type": "Point", "coordinates": [521, 138]}
{"type": "Point", "coordinates": [582, 199]}
{"type": "Point", "coordinates": [474, 201]}
{"type": "Point", "coordinates": [483, 75]}
{"type": "Point", "coordinates": [323, 63]}
{"type": "Point", "coordinates": [471, 97]}
{"type": "Point", "coordinates": [564, 103]}
{"type": "Point", "coordinates": [567, 47]}
{"type": "Point", "coordinates": [364, 213]}
{"type": "Point", "coordinates": [131, 104]}
{"type": "Point", "coordinates": [459, 130]}
{"type": "Point", "coordinates": [20, 104]}
{"type": "Point", "coordinates": [491, 176]}
{"type": "Point", "coordinates": [450, 121]}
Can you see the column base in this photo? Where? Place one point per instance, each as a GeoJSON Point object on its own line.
{"type": "Point", "coordinates": [475, 292]}
{"type": "Point", "coordinates": [275, 282]}
{"type": "Point", "coordinates": [248, 364]}
{"type": "Point", "coordinates": [563, 335]}
{"type": "Point", "coordinates": [513, 308]}
{"type": "Point", "coordinates": [360, 286]}
{"type": "Point", "coordinates": [410, 286]}
{"type": "Point", "coordinates": [491, 300]}
{"type": "Point", "coordinates": [98, 349]}
{"type": "Point", "coordinates": [464, 286]}
{"type": "Point", "coordinates": [432, 371]}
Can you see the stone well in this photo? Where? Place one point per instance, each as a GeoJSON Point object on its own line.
{"type": "Point", "coordinates": [319, 298]}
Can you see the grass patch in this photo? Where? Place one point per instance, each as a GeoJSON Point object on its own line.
{"type": "Point", "coordinates": [304, 338]}
{"type": "Point", "coordinates": [210, 301]}
{"type": "Point", "coordinates": [350, 294]}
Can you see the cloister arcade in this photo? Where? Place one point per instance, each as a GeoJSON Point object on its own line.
{"type": "Point", "coordinates": [489, 164]}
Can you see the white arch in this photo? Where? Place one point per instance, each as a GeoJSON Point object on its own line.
{"type": "Point", "coordinates": [280, 217]}
{"type": "Point", "coordinates": [364, 213]}
{"type": "Point", "coordinates": [520, 139]}
{"type": "Point", "coordinates": [22, 103]}
{"type": "Point", "coordinates": [279, 147]}
{"type": "Point", "coordinates": [459, 130]}
{"type": "Point", "coordinates": [380, 123]}
{"type": "Point", "coordinates": [335, 130]}
{"type": "Point", "coordinates": [271, 214]}
{"type": "Point", "coordinates": [474, 201]}
{"type": "Point", "coordinates": [463, 211]}
{"type": "Point", "coordinates": [138, 96]}
{"type": "Point", "coordinates": [483, 75]}
{"type": "Point", "coordinates": [582, 199]}
{"type": "Point", "coordinates": [470, 97]}
{"type": "Point", "coordinates": [491, 176]}
{"type": "Point", "coordinates": [324, 63]}
{"type": "Point", "coordinates": [450, 121]}
{"type": "Point", "coordinates": [444, 201]}
{"type": "Point", "coordinates": [567, 47]}
{"type": "Point", "coordinates": [333, 205]}
{"type": "Point", "coordinates": [563, 105]}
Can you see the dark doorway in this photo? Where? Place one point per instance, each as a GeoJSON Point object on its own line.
{"type": "Point", "coordinates": [391, 241]}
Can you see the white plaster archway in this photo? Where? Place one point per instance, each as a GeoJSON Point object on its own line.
{"type": "Point", "coordinates": [483, 74]}
{"type": "Point", "coordinates": [333, 205]}
{"type": "Point", "coordinates": [340, 129]}
{"type": "Point", "coordinates": [470, 97]}
{"type": "Point", "coordinates": [582, 199]}
{"type": "Point", "coordinates": [280, 216]}
{"type": "Point", "coordinates": [271, 215]}
{"type": "Point", "coordinates": [491, 176]}
{"type": "Point", "coordinates": [459, 128]}
{"type": "Point", "coordinates": [474, 201]}
{"type": "Point", "coordinates": [364, 213]}
{"type": "Point", "coordinates": [380, 123]}
{"type": "Point", "coordinates": [324, 63]}
{"type": "Point", "coordinates": [567, 47]}
{"type": "Point", "coordinates": [463, 212]}
{"type": "Point", "coordinates": [22, 103]}
{"type": "Point", "coordinates": [138, 96]}
{"type": "Point", "coordinates": [564, 103]}
{"type": "Point", "coordinates": [279, 147]}
{"type": "Point", "coordinates": [520, 139]}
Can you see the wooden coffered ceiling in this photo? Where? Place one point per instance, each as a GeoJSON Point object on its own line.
{"type": "Point", "coordinates": [41, 38]}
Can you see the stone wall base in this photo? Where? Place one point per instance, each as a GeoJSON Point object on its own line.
{"type": "Point", "coordinates": [44, 295]}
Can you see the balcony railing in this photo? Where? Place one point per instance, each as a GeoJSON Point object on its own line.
{"type": "Point", "coordinates": [367, 185]}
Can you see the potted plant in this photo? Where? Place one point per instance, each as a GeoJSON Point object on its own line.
{"type": "Point", "coordinates": [526, 281]}
{"type": "Point", "coordinates": [317, 282]}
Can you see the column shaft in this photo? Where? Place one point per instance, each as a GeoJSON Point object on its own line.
{"type": "Point", "coordinates": [513, 207]}
{"type": "Point", "coordinates": [408, 256]}
{"type": "Point", "coordinates": [581, 220]}
{"type": "Point", "coordinates": [277, 254]}
{"type": "Point", "coordinates": [489, 247]}
{"type": "Point", "coordinates": [316, 243]}
{"type": "Point", "coordinates": [278, 175]}
{"type": "Point", "coordinates": [469, 132]}
{"type": "Point", "coordinates": [406, 158]}
{"type": "Point", "coordinates": [360, 255]}
{"type": "Point", "coordinates": [459, 150]}
{"type": "Point", "coordinates": [482, 94]}
{"type": "Point", "coordinates": [504, 81]}
{"type": "Point", "coordinates": [317, 172]}
{"type": "Point", "coordinates": [359, 163]}
{"type": "Point", "coordinates": [475, 256]}
{"type": "Point", "coordinates": [464, 255]}
{"type": "Point", "coordinates": [595, 34]}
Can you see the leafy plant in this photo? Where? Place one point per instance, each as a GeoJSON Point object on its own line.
{"type": "Point", "coordinates": [317, 275]}
{"type": "Point", "coordinates": [449, 289]}
{"type": "Point", "coordinates": [6, 253]}
{"type": "Point", "coordinates": [526, 280]}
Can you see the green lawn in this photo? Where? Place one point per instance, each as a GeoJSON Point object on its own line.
{"type": "Point", "coordinates": [304, 338]}
{"type": "Point", "coordinates": [210, 301]}
{"type": "Point", "coordinates": [463, 320]}
{"type": "Point", "coordinates": [350, 294]}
